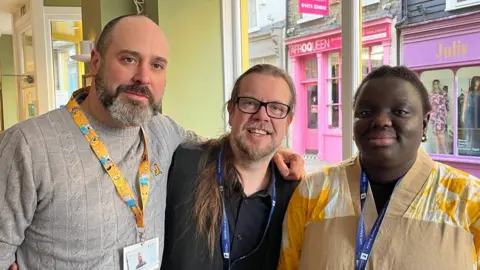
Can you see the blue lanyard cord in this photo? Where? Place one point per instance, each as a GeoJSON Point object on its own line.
{"type": "Point", "coordinates": [364, 243]}
{"type": "Point", "coordinates": [225, 230]}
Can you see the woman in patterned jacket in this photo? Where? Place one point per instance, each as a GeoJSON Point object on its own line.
{"type": "Point", "coordinates": [390, 206]}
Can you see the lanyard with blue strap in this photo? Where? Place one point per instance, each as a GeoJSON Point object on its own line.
{"type": "Point", "coordinates": [364, 243]}
{"type": "Point", "coordinates": [225, 231]}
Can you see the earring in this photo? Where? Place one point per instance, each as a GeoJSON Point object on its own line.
{"type": "Point", "coordinates": [424, 138]}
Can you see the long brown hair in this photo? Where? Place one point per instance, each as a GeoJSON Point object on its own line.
{"type": "Point", "coordinates": [208, 201]}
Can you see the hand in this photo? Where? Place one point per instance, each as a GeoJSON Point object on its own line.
{"type": "Point", "coordinates": [13, 267]}
{"type": "Point", "coordinates": [290, 164]}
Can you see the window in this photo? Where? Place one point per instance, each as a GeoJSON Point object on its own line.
{"type": "Point", "coordinates": [308, 17]}
{"type": "Point", "coordinates": [468, 107]}
{"type": "Point", "coordinates": [252, 15]}
{"type": "Point", "coordinates": [312, 104]}
{"type": "Point", "coordinates": [454, 96]}
{"type": "Point", "coordinates": [333, 81]}
{"type": "Point", "coordinates": [457, 4]}
{"type": "Point", "coordinates": [369, 2]}
{"type": "Point", "coordinates": [311, 68]}
{"type": "Point", "coordinates": [372, 58]}
{"type": "Point", "coordinates": [439, 84]}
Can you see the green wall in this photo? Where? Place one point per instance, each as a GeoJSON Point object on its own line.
{"type": "Point", "coordinates": [9, 89]}
{"type": "Point", "coordinates": [194, 92]}
{"type": "Point", "coordinates": [62, 3]}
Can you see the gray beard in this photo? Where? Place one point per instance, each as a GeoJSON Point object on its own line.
{"type": "Point", "coordinates": [253, 154]}
{"type": "Point", "coordinates": [125, 112]}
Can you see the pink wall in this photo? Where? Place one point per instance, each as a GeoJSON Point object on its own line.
{"type": "Point", "coordinates": [319, 46]}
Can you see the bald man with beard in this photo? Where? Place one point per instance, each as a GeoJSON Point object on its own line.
{"type": "Point", "coordinates": [81, 183]}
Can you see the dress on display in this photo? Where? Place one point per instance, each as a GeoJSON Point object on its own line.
{"type": "Point", "coordinates": [438, 116]}
{"type": "Point", "coordinates": [471, 113]}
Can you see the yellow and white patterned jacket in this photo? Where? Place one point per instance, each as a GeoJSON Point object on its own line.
{"type": "Point", "coordinates": [432, 220]}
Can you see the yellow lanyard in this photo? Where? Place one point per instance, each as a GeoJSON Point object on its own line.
{"type": "Point", "coordinates": [112, 169]}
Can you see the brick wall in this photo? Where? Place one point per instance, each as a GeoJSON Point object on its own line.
{"type": "Point", "coordinates": [386, 8]}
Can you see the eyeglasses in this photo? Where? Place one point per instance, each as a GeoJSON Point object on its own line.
{"type": "Point", "coordinates": [275, 110]}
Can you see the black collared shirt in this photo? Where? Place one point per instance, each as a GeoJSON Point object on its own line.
{"type": "Point", "coordinates": [247, 219]}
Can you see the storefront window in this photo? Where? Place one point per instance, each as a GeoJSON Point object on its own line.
{"type": "Point", "coordinates": [439, 84]}
{"type": "Point", "coordinates": [312, 107]}
{"type": "Point", "coordinates": [372, 58]}
{"type": "Point", "coordinates": [468, 103]}
{"type": "Point", "coordinates": [333, 105]}
{"type": "Point", "coordinates": [311, 68]}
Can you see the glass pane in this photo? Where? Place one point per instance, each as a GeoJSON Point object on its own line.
{"type": "Point", "coordinates": [334, 65]}
{"type": "Point", "coordinates": [252, 14]}
{"type": "Point", "coordinates": [468, 111]}
{"type": "Point", "coordinates": [308, 69]}
{"type": "Point", "coordinates": [26, 84]}
{"type": "Point", "coordinates": [314, 68]}
{"type": "Point", "coordinates": [334, 92]}
{"type": "Point", "coordinates": [439, 83]}
{"type": "Point", "coordinates": [312, 107]}
{"type": "Point", "coordinates": [365, 62]}
{"type": "Point", "coordinates": [376, 57]}
{"type": "Point", "coordinates": [67, 73]}
{"type": "Point", "coordinates": [333, 116]}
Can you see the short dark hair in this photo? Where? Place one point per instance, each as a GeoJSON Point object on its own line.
{"type": "Point", "coordinates": [400, 72]}
{"type": "Point", "coordinates": [105, 38]}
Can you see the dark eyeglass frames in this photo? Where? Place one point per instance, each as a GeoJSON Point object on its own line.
{"type": "Point", "coordinates": [251, 105]}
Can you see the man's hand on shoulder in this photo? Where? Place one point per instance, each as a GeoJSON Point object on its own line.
{"type": "Point", "coordinates": [290, 164]}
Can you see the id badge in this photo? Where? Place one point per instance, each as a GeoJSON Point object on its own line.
{"type": "Point", "coordinates": [142, 256]}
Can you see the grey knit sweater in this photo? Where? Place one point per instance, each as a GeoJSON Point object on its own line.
{"type": "Point", "coordinates": [58, 207]}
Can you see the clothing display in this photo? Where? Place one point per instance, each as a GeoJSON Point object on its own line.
{"type": "Point", "coordinates": [432, 220]}
{"type": "Point", "coordinates": [440, 107]}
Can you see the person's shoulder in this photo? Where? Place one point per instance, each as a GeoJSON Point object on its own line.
{"type": "Point", "coordinates": [446, 172]}
{"type": "Point", "coordinates": [34, 128]}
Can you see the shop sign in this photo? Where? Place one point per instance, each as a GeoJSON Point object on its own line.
{"type": "Point", "coordinates": [317, 7]}
{"type": "Point", "coordinates": [442, 51]}
{"type": "Point", "coordinates": [370, 34]}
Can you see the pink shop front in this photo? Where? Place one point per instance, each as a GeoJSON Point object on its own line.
{"type": "Point", "coordinates": [316, 70]}
{"type": "Point", "coordinates": [446, 56]}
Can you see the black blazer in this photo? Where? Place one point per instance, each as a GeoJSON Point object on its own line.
{"type": "Point", "coordinates": [183, 249]}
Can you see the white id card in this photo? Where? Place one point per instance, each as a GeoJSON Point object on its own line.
{"type": "Point", "coordinates": [142, 256]}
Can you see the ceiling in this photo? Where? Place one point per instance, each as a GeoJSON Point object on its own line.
{"type": "Point", "coordinates": [6, 8]}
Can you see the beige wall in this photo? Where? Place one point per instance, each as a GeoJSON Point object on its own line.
{"type": "Point", "coordinates": [194, 93]}
{"type": "Point", "coordinates": [9, 89]}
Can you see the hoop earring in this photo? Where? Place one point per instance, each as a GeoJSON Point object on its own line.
{"type": "Point", "coordinates": [424, 138]}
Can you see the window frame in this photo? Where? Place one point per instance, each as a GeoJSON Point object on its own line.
{"type": "Point", "coordinates": [328, 103]}
{"type": "Point", "coordinates": [455, 156]}
{"type": "Point", "coordinates": [256, 27]}
{"type": "Point", "coordinates": [454, 4]}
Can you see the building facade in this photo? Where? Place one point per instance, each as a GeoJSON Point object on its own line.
{"type": "Point", "coordinates": [314, 50]}
{"type": "Point", "coordinates": [266, 32]}
{"type": "Point", "coordinates": [441, 42]}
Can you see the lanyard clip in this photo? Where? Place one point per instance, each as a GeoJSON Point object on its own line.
{"type": "Point", "coordinates": [141, 234]}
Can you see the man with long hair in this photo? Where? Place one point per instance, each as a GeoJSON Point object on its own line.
{"type": "Point", "coordinates": [225, 198]}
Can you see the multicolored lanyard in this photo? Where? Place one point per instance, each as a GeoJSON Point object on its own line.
{"type": "Point", "coordinates": [225, 237]}
{"type": "Point", "coordinates": [112, 169]}
{"type": "Point", "coordinates": [364, 244]}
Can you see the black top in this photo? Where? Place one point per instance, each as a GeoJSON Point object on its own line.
{"type": "Point", "coordinates": [185, 249]}
{"type": "Point", "coordinates": [247, 219]}
{"type": "Point", "coordinates": [381, 193]}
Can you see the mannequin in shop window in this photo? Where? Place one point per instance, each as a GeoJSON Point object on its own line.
{"type": "Point", "coordinates": [470, 113]}
{"type": "Point", "coordinates": [438, 117]}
